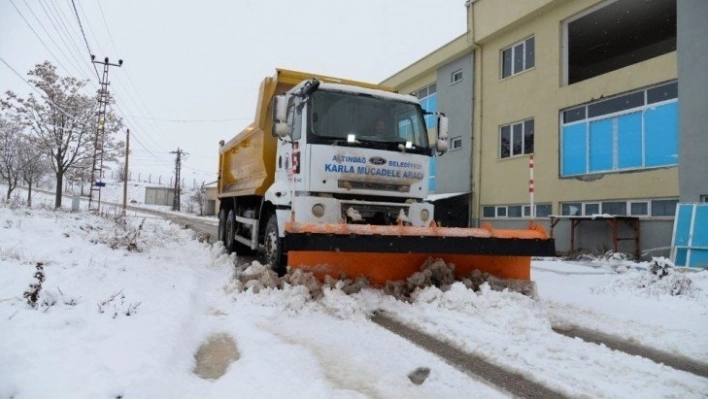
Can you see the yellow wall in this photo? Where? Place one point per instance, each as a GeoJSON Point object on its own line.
{"type": "Point", "coordinates": [423, 72]}
{"type": "Point", "coordinates": [540, 93]}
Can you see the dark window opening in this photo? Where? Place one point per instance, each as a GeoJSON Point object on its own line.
{"type": "Point", "coordinates": [571, 209]}
{"type": "Point", "coordinates": [663, 207]}
{"type": "Point", "coordinates": [518, 58]}
{"type": "Point", "coordinates": [515, 211]}
{"type": "Point", "coordinates": [618, 208]}
{"type": "Point", "coordinates": [620, 34]}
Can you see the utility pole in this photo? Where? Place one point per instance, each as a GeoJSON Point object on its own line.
{"type": "Point", "coordinates": [125, 173]}
{"type": "Point", "coordinates": [178, 189]}
{"type": "Point", "coordinates": [103, 99]}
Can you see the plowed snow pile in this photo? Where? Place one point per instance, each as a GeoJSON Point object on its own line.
{"type": "Point", "coordinates": [433, 273]}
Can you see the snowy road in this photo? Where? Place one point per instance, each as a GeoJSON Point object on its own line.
{"type": "Point", "coordinates": [111, 321]}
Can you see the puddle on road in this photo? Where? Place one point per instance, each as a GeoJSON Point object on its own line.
{"type": "Point", "coordinates": [215, 355]}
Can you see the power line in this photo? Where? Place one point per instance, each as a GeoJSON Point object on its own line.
{"type": "Point", "coordinates": [40, 38]}
{"type": "Point", "coordinates": [131, 100]}
{"type": "Point", "coordinates": [84, 35]}
{"type": "Point", "coordinates": [90, 29]}
{"type": "Point", "coordinates": [191, 120]}
{"type": "Point", "coordinates": [53, 15]}
{"type": "Point", "coordinates": [110, 36]}
{"type": "Point", "coordinates": [51, 37]}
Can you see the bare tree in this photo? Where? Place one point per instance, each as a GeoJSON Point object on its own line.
{"type": "Point", "coordinates": [199, 198]}
{"type": "Point", "coordinates": [10, 149]}
{"type": "Point", "coordinates": [35, 165]}
{"type": "Point", "coordinates": [64, 121]}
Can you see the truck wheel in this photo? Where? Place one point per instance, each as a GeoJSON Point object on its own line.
{"type": "Point", "coordinates": [229, 231]}
{"type": "Point", "coordinates": [222, 226]}
{"type": "Point", "coordinates": [273, 244]}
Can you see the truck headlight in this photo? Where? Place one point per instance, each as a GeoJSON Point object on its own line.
{"type": "Point", "coordinates": [318, 210]}
{"type": "Point", "coordinates": [424, 215]}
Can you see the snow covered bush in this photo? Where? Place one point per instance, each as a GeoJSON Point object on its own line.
{"type": "Point", "coordinates": [33, 292]}
{"type": "Point", "coordinates": [122, 235]}
{"type": "Point", "coordinates": [660, 278]}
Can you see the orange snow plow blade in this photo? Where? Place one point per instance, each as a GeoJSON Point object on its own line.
{"type": "Point", "coordinates": [390, 253]}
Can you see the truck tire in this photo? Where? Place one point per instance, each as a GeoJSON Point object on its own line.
{"type": "Point", "coordinates": [222, 227]}
{"type": "Point", "coordinates": [229, 231]}
{"type": "Point", "coordinates": [273, 244]}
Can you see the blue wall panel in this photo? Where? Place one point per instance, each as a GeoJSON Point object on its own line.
{"type": "Point", "coordinates": [574, 150]}
{"type": "Point", "coordinates": [601, 145]}
{"type": "Point", "coordinates": [630, 141]}
{"type": "Point", "coordinates": [690, 243]}
{"type": "Point", "coordinates": [661, 127]}
{"type": "Point", "coordinates": [700, 227]}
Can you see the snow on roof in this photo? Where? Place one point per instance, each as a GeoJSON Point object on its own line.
{"type": "Point", "coordinates": [372, 92]}
{"type": "Point", "coordinates": [436, 197]}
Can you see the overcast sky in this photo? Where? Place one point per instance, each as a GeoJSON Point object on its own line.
{"type": "Point", "coordinates": [192, 68]}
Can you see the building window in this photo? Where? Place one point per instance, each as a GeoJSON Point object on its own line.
{"type": "Point", "coordinates": [542, 210]}
{"type": "Point", "coordinates": [518, 58]}
{"type": "Point", "coordinates": [572, 209]}
{"type": "Point", "coordinates": [516, 139]}
{"type": "Point", "coordinates": [633, 131]}
{"type": "Point", "coordinates": [666, 207]}
{"type": "Point", "coordinates": [428, 99]}
{"type": "Point", "coordinates": [618, 208]}
{"type": "Point", "coordinates": [516, 211]}
{"type": "Point", "coordinates": [639, 208]}
{"type": "Point", "coordinates": [456, 143]}
{"type": "Point", "coordinates": [617, 34]}
{"type": "Point", "coordinates": [659, 207]}
{"type": "Point", "coordinates": [456, 77]}
{"type": "Point", "coordinates": [591, 208]}
{"type": "Point", "coordinates": [704, 198]}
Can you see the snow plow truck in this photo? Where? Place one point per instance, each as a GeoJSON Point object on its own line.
{"type": "Point", "coordinates": [332, 176]}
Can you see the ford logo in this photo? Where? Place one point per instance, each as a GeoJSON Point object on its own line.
{"type": "Point", "coordinates": [377, 161]}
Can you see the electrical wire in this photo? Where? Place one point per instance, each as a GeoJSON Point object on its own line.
{"type": "Point", "coordinates": [51, 37]}
{"type": "Point", "coordinates": [40, 39]}
{"type": "Point", "coordinates": [63, 31]}
{"type": "Point", "coordinates": [191, 120]}
{"type": "Point", "coordinates": [85, 39]}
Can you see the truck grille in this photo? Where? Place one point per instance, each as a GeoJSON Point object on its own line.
{"type": "Point", "coordinates": [374, 214]}
{"type": "Point", "coordinates": [366, 185]}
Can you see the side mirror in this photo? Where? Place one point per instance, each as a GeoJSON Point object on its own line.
{"type": "Point", "coordinates": [280, 109]}
{"type": "Point", "coordinates": [310, 87]}
{"type": "Point", "coordinates": [442, 143]}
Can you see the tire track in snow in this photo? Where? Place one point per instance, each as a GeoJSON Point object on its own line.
{"type": "Point", "coordinates": [513, 383]}
{"type": "Point", "coordinates": [676, 361]}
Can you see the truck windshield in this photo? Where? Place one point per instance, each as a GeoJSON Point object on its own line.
{"type": "Point", "coordinates": [373, 121]}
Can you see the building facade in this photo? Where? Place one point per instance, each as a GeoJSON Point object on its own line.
{"type": "Point", "coordinates": [693, 86]}
{"type": "Point", "coordinates": [589, 89]}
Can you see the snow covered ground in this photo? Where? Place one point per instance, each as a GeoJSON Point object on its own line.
{"type": "Point", "coordinates": [122, 310]}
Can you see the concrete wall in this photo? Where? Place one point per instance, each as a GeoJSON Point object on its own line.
{"type": "Point", "coordinates": [159, 196]}
{"type": "Point", "coordinates": [212, 202]}
{"type": "Point", "coordinates": [454, 169]}
{"type": "Point", "coordinates": [693, 95]}
{"type": "Point", "coordinates": [596, 236]}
